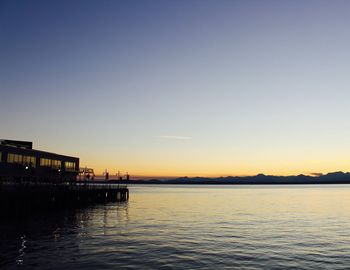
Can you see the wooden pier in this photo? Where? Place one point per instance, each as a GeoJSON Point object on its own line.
{"type": "Point", "coordinates": [32, 195]}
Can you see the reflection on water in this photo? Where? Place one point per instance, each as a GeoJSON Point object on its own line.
{"type": "Point", "coordinates": [176, 227]}
{"type": "Point", "coordinates": [21, 251]}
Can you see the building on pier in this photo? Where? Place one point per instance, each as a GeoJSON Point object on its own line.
{"type": "Point", "coordinates": [19, 161]}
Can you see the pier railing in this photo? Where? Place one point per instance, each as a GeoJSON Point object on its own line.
{"type": "Point", "coordinates": [103, 185]}
{"type": "Point", "coordinates": [79, 185]}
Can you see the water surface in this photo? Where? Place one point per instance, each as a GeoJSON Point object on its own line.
{"type": "Point", "coordinates": [177, 227]}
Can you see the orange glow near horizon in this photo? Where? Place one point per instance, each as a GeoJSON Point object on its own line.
{"type": "Point", "coordinates": [213, 158]}
{"type": "Point", "coordinates": [137, 172]}
{"type": "Point", "coordinates": [187, 159]}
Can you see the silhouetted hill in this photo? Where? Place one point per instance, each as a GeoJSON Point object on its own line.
{"type": "Point", "coordinates": [330, 178]}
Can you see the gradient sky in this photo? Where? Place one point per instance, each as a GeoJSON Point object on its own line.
{"type": "Point", "coordinates": [180, 88]}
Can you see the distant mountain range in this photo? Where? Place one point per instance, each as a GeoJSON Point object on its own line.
{"type": "Point", "coordinates": [330, 178]}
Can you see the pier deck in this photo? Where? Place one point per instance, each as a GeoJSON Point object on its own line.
{"type": "Point", "coordinates": [45, 195]}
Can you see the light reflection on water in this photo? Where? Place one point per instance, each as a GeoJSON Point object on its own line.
{"type": "Point", "coordinates": [176, 227]}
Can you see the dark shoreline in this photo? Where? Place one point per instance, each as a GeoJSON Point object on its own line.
{"type": "Point", "coordinates": [261, 179]}
{"type": "Point", "coordinates": [237, 184]}
{"type": "Point", "coordinates": [232, 184]}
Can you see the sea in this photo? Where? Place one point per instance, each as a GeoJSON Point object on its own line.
{"type": "Point", "coordinates": [189, 227]}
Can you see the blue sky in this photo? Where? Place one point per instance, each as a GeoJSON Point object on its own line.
{"type": "Point", "coordinates": [180, 87]}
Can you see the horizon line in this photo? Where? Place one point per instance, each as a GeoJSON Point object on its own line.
{"type": "Point", "coordinates": [150, 177]}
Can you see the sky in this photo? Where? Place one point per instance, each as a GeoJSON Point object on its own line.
{"type": "Point", "coordinates": [180, 88]}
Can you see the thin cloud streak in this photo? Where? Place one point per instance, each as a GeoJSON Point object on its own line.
{"type": "Point", "coordinates": [168, 137]}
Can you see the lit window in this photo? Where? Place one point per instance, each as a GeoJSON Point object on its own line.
{"type": "Point", "coordinates": [45, 162]}
{"type": "Point", "coordinates": [56, 164]}
{"type": "Point", "coordinates": [13, 158]}
{"type": "Point", "coordinates": [19, 159]}
{"type": "Point", "coordinates": [70, 166]}
{"type": "Point", "coordinates": [10, 158]}
{"type": "Point", "coordinates": [29, 161]}
{"type": "Point", "coordinates": [32, 162]}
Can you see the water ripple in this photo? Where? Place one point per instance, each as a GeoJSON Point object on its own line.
{"type": "Point", "coordinates": [190, 228]}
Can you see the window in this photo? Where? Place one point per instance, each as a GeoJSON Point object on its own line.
{"type": "Point", "coordinates": [13, 158]}
{"type": "Point", "coordinates": [20, 159]}
{"type": "Point", "coordinates": [32, 162]}
{"type": "Point", "coordinates": [29, 161]}
{"type": "Point", "coordinates": [70, 166]}
{"type": "Point", "coordinates": [0, 157]}
{"type": "Point", "coordinates": [56, 164]}
{"type": "Point", "coordinates": [45, 162]}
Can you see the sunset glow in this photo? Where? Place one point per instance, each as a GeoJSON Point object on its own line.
{"type": "Point", "coordinates": [180, 88]}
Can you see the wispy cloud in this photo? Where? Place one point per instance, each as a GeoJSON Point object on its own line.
{"type": "Point", "coordinates": [171, 137]}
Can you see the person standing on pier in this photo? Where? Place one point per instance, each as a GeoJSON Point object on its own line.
{"type": "Point", "coordinates": [106, 175]}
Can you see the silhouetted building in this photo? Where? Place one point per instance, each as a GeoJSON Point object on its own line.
{"type": "Point", "coordinates": [20, 162]}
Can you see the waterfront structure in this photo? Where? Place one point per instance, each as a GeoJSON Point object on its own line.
{"type": "Point", "coordinates": [20, 162]}
{"type": "Point", "coordinates": [86, 174]}
{"type": "Point", "coordinates": [33, 179]}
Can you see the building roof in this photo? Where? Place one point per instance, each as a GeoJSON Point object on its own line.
{"type": "Point", "coordinates": [27, 147]}
{"type": "Point", "coordinates": [18, 144]}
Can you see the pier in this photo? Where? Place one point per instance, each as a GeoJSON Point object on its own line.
{"type": "Point", "coordinates": [31, 196]}
{"type": "Point", "coordinates": [34, 179]}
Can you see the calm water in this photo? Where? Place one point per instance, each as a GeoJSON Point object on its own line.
{"type": "Point", "coordinates": [177, 227]}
